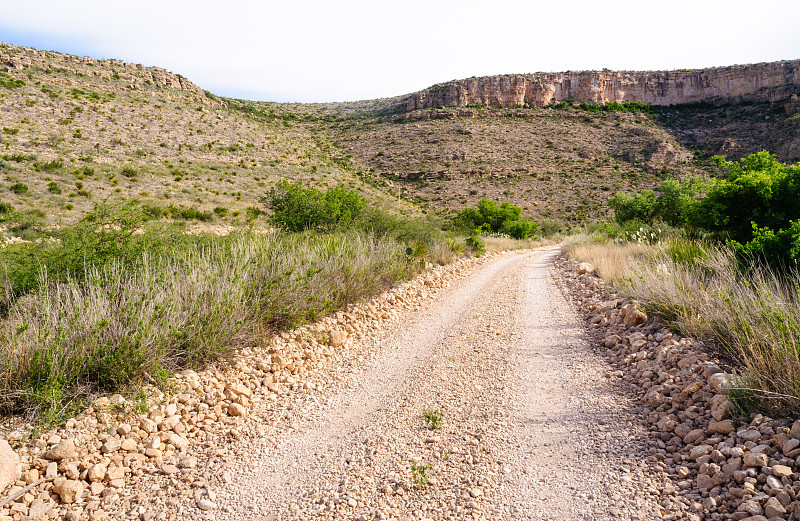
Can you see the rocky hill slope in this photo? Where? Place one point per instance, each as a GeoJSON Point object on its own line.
{"type": "Point", "coordinates": [77, 131]}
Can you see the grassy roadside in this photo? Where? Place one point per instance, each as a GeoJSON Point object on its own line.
{"type": "Point", "coordinates": [751, 314]}
{"type": "Point", "coordinates": [130, 320]}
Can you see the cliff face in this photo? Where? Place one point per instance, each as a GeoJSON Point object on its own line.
{"type": "Point", "coordinates": [13, 57]}
{"type": "Point", "coordinates": [774, 82]}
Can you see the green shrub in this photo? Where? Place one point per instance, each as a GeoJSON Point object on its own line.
{"type": "Point", "coordinates": [48, 166]}
{"type": "Point", "coordinates": [520, 229]}
{"type": "Point", "coordinates": [188, 213]}
{"type": "Point", "coordinates": [549, 227]}
{"type": "Point", "coordinates": [489, 217]}
{"type": "Point", "coordinates": [8, 82]}
{"type": "Point", "coordinates": [637, 207]}
{"type": "Point", "coordinates": [759, 190]}
{"type": "Point", "coordinates": [673, 202]}
{"type": "Point", "coordinates": [779, 248]}
{"type": "Point", "coordinates": [53, 188]}
{"type": "Point", "coordinates": [221, 211]}
{"type": "Point", "coordinates": [5, 208]}
{"type": "Point", "coordinates": [129, 171]}
{"type": "Point", "coordinates": [295, 208]}
{"type": "Point", "coordinates": [18, 158]}
{"type": "Point", "coordinates": [251, 212]}
{"type": "Point", "coordinates": [476, 244]}
{"type": "Point", "coordinates": [19, 188]}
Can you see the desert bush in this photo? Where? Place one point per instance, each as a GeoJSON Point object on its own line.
{"type": "Point", "coordinates": [759, 190]}
{"type": "Point", "coordinates": [104, 235]}
{"type": "Point", "coordinates": [476, 245]}
{"type": "Point", "coordinates": [19, 188]}
{"type": "Point", "coordinates": [251, 213]}
{"type": "Point", "coordinates": [550, 227]}
{"type": "Point", "coordinates": [753, 317]}
{"type": "Point", "coordinates": [672, 202]}
{"type": "Point", "coordinates": [295, 208]}
{"type": "Point", "coordinates": [489, 217]}
{"type": "Point", "coordinates": [9, 82]}
{"type": "Point", "coordinates": [47, 166]}
{"type": "Point", "coordinates": [188, 213]}
{"type": "Point", "coordinates": [520, 229]}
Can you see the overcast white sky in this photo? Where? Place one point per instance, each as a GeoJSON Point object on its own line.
{"type": "Point", "coordinates": [316, 50]}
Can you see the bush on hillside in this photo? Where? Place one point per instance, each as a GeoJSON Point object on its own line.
{"type": "Point", "coordinates": [489, 217]}
{"type": "Point", "coordinates": [756, 208]}
{"type": "Point", "coordinates": [296, 209]}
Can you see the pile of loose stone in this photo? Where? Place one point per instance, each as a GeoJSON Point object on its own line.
{"type": "Point", "coordinates": [111, 461]}
{"type": "Point", "coordinates": [718, 469]}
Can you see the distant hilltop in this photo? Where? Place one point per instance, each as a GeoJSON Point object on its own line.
{"type": "Point", "coordinates": [15, 57]}
{"type": "Point", "coordinates": [773, 82]}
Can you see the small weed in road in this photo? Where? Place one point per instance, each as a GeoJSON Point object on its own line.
{"type": "Point", "coordinates": [433, 418]}
{"type": "Point", "coordinates": [419, 473]}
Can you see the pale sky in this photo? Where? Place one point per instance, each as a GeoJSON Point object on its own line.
{"type": "Point", "coordinates": [343, 50]}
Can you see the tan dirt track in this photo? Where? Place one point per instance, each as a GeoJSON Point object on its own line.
{"type": "Point", "coordinates": [534, 426]}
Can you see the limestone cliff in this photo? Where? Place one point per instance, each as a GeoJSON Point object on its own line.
{"type": "Point", "coordinates": [19, 58]}
{"type": "Point", "coordinates": [774, 82]}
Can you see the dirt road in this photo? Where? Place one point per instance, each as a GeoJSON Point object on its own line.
{"type": "Point", "coordinates": [532, 427]}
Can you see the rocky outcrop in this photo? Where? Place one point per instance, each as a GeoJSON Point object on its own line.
{"type": "Point", "coordinates": [773, 82]}
{"type": "Point", "coordinates": [13, 57]}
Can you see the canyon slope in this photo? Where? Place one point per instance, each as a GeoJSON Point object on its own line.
{"type": "Point", "coordinates": [77, 131]}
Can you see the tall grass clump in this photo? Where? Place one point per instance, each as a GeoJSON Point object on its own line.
{"type": "Point", "coordinates": [751, 313]}
{"type": "Point", "coordinates": [114, 326]}
{"type": "Point", "coordinates": [611, 260]}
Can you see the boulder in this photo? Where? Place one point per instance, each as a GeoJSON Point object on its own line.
{"type": "Point", "coordinates": [62, 451]}
{"type": "Point", "coordinates": [70, 490]}
{"type": "Point", "coordinates": [720, 407]}
{"type": "Point", "coordinates": [10, 467]}
{"type": "Point", "coordinates": [337, 337]}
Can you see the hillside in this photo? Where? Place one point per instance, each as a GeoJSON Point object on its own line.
{"type": "Point", "coordinates": [77, 131]}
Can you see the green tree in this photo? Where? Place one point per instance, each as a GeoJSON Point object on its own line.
{"type": "Point", "coordinates": [488, 216]}
{"type": "Point", "coordinates": [759, 190]}
{"type": "Point", "coordinates": [637, 207]}
{"type": "Point", "coordinates": [296, 208]}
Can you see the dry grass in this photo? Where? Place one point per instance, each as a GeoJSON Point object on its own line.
{"type": "Point", "coordinates": [119, 326]}
{"type": "Point", "coordinates": [752, 315]}
{"type": "Point", "coordinates": [498, 244]}
{"type": "Point", "coordinates": [611, 261]}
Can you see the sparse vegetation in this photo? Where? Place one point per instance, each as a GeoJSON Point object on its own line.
{"type": "Point", "coordinates": [419, 474]}
{"type": "Point", "coordinates": [433, 418]}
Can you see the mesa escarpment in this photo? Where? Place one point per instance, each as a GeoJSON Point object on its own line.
{"type": "Point", "coordinates": [773, 82]}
